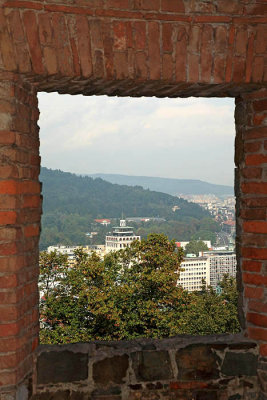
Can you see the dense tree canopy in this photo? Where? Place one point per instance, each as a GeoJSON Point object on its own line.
{"type": "Point", "coordinates": [131, 293]}
{"type": "Point", "coordinates": [195, 247]}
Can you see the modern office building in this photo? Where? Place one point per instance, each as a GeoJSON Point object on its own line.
{"type": "Point", "coordinates": [221, 262]}
{"type": "Point", "coordinates": [194, 270]}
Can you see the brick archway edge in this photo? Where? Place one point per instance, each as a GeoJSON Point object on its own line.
{"type": "Point", "coordinates": [174, 48]}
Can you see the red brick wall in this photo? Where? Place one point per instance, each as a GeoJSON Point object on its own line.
{"type": "Point", "coordinates": [19, 228]}
{"type": "Point", "coordinates": [125, 47]}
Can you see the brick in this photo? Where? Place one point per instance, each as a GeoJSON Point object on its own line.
{"type": "Point", "coordinates": [167, 67]}
{"type": "Point", "coordinates": [263, 350]}
{"type": "Point", "coordinates": [254, 279]}
{"type": "Point", "coordinates": [7, 378]}
{"type": "Point", "coordinates": [31, 230]}
{"type": "Point", "coordinates": [140, 35]}
{"type": "Point", "coordinates": [229, 6]}
{"type": "Point", "coordinates": [6, 45]}
{"type": "Point", "coordinates": [31, 201]}
{"type": "Point", "coordinates": [120, 65]}
{"type": "Point", "coordinates": [253, 266]}
{"type": "Point", "coordinates": [193, 67]}
{"type": "Point", "coordinates": [257, 333]}
{"type": "Point", "coordinates": [181, 54]}
{"type": "Point", "coordinates": [147, 4]}
{"type": "Point", "coordinates": [194, 39]}
{"type": "Point", "coordinates": [175, 6]}
{"type": "Point", "coordinates": [241, 41]}
{"type": "Point", "coordinates": [117, 3]}
{"type": "Point", "coordinates": [167, 44]}
{"type": "Point", "coordinates": [206, 53]}
{"type": "Point", "coordinates": [96, 35]}
{"type": "Point", "coordinates": [249, 60]}
{"type": "Point", "coordinates": [119, 29]}
{"type": "Point", "coordinates": [108, 47]}
{"type": "Point", "coordinates": [257, 319]}
{"type": "Point", "coordinates": [219, 69]}
{"type": "Point", "coordinates": [260, 105]}
{"type": "Point", "coordinates": [258, 306]}
{"type": "Point", "coordinates": [251, 172]}
{"type": "Point", "coordinates": [8, 217]}
{"type": "Point", "coordinates": [249, 239]}
{"type": "Point", "coordinates": [254, 188]}
{"type": "Point", "coordinates": [50, 60]}
{"type": "Point", "coordinates": [30, 24]}
{"type": "Point", "coordinates": [253, 214]}
{"type": "Point", "coordinates": [256, 159]}
{"type": "Point", "coordinates": [255, 226]}
{"type": "Point", "coordinates": [254, 253]}
{"type": "Point", "coordinates": [220, 43]}
{"type": "Point", "coordinates": [9, 329]}
{"type": "Point", "coordinates": [45, 28]}
{"type": "Point", "coordinates": [140, 65]}
{"type": "Point", "coordinates": [253, 292]}
{"type": "Point", "coordinates": [258, 119]}
{"type": "Point", "coordinates": [154, 50]}
{"type": "Point", "coordinates": [63, 53]}
{"type": "Point", "coordinates": [256, 9]}
{"type": "Point", "coordinates": [261, 43]}
{"type": "Point", "coordinates": [258, 69]}
{"type": "Point", "coordinates": [84, 47]}
{"type": "Point", "coordinates": [252, 147]}
{"type": "Point", "coordinates": [256, 133]}
{"type": "Point", "coordinates": [239, 69]}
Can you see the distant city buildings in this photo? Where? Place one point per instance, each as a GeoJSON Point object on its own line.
{"type": "Point", "coordinates": [70, 250]}
{"type": "Point", "coordinates": [121, 237]}
{"type": "Point", "coordinates": [222, 209]}
{"type": "Point", "coordinates": [208, 267]}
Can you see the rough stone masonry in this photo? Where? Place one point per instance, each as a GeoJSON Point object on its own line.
{"type": "Point", "coordinates": [164, 48]}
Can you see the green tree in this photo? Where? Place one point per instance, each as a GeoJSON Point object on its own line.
{"type": "Point", "coordinates": [130, 293]}
{"type": "Point", "coordinates": [195, 246]}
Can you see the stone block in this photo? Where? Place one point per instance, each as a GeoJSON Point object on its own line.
{"type": "Point", "coordinates": [63, 366]}
{"type": "Point", "coordinates": [235, 364]}
{"type": "Point", "coordinates": [111, 369]}
{"type": "Point", "coordinates": [152, 365]}
{"type": "Point", "coordinates": [61, 395]}
{"type": "Point", "coordinates": [197, 362]}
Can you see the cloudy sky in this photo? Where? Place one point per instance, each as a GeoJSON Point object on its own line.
{"type": "Point", "coordinates": [175, 138]}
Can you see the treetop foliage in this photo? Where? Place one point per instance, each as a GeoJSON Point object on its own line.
{"type": "Point", "coordinates": [128, 294]}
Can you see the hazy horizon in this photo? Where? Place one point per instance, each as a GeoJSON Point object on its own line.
{"type": "Point", "coordinates": [165, 138]}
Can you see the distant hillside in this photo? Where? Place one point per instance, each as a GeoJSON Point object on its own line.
{"type": "Point", "coordinates": [71, 203]}
{"type": "Point", "coordinates": [168, 185]}
{"type": "Point", "coordinates": [66, 192]}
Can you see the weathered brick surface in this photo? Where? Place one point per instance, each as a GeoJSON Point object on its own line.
{"type": "Point", "coordinates": [19, 229]}
{"type": "Point", "coordinates": [128, 47]}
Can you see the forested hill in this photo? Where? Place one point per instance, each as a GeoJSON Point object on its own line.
{"type": "Point", "coordinates": [168, 185]}
{"type": "Point", "coordinates": [71, 203]}
{"type": "Point", "coordinates": [71, 194]}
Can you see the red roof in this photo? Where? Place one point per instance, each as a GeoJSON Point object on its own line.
{"type": "Point", "coordinates": [229, 222]}
{"type": "Point", "coordinates": [102, 220]}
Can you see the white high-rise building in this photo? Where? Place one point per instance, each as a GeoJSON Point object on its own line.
{"type": "Point", "coordinates": [121, 237]}
{"type": "Point", "coordinates": [193, 271]}
{"type": "Point", "coordinates": [221, 262]}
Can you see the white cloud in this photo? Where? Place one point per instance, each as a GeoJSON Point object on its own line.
{"type": "Point", "coordinates": [183, 138]}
